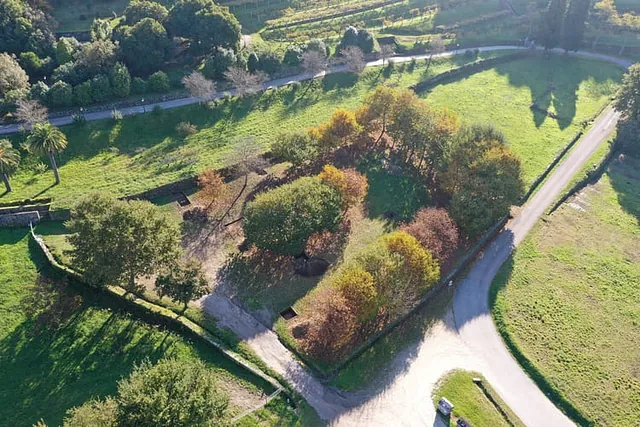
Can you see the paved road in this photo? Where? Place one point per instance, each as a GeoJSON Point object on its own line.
{"type": "Point", "coordinates": [106, 114]}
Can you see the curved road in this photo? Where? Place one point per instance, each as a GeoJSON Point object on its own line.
{"type": "Point", "coordinates": [464, 338]}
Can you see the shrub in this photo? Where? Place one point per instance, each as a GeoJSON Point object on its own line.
{"type": "Point", "coordinates": [365, 41]}
{"type": "Point", "coordinates": [296, 148]}
{"type": "Point", "coordinates": [139, 86]}
{"type": "Point", "coordinates": [292, 56]}
{"type": "Point", "coordinates": [216, 64]}
{"type": "Point", "coordinates": [253, 62]}
{"type": "Point", "coordinates": [159, 82]}
{"type": "Point", "coordinates": [359, 292]}
{"type": "Point", "coordinates": [79, 119]}
{"type": "Point", "coordinates": [186, 128]}
{"type": "Point", "coordinates": [82, 94]}
{"type": "Point", "coordinates": [281, 220]}
{"type": "Point", "coordinates": [436, 231]}
{"type": "Point", "coordinates": [120, 80]}
{"type": "Point", "coordinates": [61, 94]}
{"type": "Point", "coordinates": [116, 115]}
{"type": "Point", "coordinates": [101, 88]}
{"type": "Point", "coordinates": [270, 62]}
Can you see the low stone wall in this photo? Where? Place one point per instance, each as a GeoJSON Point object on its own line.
{"type": "Point", "coordinates": [20, 219]}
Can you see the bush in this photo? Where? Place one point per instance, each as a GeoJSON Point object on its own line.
{"type": "Point", "coordinates": [365, 41]}
{"type": "Point", "coordinates": [139, 86]}
{"type": "Point", "coordinates": [120, 80]}
{"type": "Point", "coordinates": [159, 82]}
{"type": "Point", "coordinates": [186, 128]}
{"type": "Point", "coordinates": [436, 231]}
{"type": "Point", "coordinates": [253, 62]}
{"type": "Point", "coordinates": [116, 115]}
{"type": "Point", "coordinates": [270, 62]}
{"type": "Point", "coordinates": [79, 119]}
{"type": "Point", "coordinates": [216, 64]}
{"type": "Point", "coordinates": [69, 73]}
{"type": "Point", "coordinates": [297, 148]}
{"type": "Point", "coordinates": [82, 94]}
{"type": "Point", "coordinates": [292, 56]}
{"type": "Point", "coordinates": [101, 89]}
{"type": "Point", "coordinates": [61, 94]}
{"type": "Point", "coordinates": [281, 220]}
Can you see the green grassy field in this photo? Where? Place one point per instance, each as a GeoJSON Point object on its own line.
{"type": "Point", "coordinates": [572, 89]}
{"type": "Point", "coordinates": [568, 300]}
{"type": "Point", "coordinates": [470, 401]}
{"type": "Point", "coordinates": [55, 355]}
{"type": "Point", "coordinates": [145, 151]}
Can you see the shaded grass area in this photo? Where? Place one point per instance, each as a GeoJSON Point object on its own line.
{"type": "Point", "coordinates": [572, 89]}
{"type": "Point", "coordinates": [471, 402]}
{"type": "Point", "coordinates": [146, 151]}
{"type": "Point", "coordinates": [567, 303]}
{"type": "Point", "coordinates": [55, 355]}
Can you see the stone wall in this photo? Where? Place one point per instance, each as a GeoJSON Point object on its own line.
{"type": "Point", "coordinates": [21, 219]}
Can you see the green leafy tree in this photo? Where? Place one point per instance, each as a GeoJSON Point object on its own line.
{"type": "Point", "coordinates": [24, 28]}
{"type": "Point", "coordinates": [46, 139]}
{"type": "Point", "coordinates": [9, 160]}
{"type": "Point", "coordinates": [183, 282]}
{"type": "Point", "coordinates": [120, 80]}
{"type": "Point", "coordinates": [97, 57]}
{"type": "Point", "coordinates": [65, 49]}
{"type": "Point", "coordinates": [218, 62]}
{"type": "Point", "coordinates": [551, 24]}
{"type": "Point", "coordinates": [39, 91]}
{"type": "Point", "coordinates": [292, 56]}
{"type": "Point", "coordinates": [138, 10]}
{"type": "Point", "coordinates": [359, 291]}
{"type": "Point", "coordinates": [283, 219]}
{"type": "Point", "coordinates": [82, 94]}
{"type": "Point", "coordinates": [575, 23]}
{"type": "Point", "coordinates": [12, 76]}
{"type": "Point", "coordinates": [253, 62]}
{"type": "Point", "coordinates": [145, 46]}
{"type": "Point", "coordinates": [158, 82]}
{"type": "Point", "coordinates": [206, 24]}
{"type": "Point", "coordinates": [32, 64]}
{"type": "Point", "coordinates": [628, 100]}
{"type": "Point", "coordinates": [177, 393]}
{"type": "Point", "coordinates": [115, 242]}
{"type": "Point", "coordinates": [296, 147]}
{"type": "Point", "coordinates": [101, 29]}
{"type": "Point", "coordinates": [139, 86]}
{"type": "Point", "coordinates": [101, 89]}
{"type": "Point", "coordinates": [365, 41]}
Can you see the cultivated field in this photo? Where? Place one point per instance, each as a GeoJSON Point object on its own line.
{"type": "Point", "coordinates": [568, 299]}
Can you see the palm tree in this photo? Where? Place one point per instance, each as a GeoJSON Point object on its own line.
{"type": "Point", "coordinates": [47, 139]}
{"type": "Point", "coordinates": [9, 159]}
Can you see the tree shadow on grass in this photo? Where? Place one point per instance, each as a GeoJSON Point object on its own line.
{"type": "Point", "coordinates": [624, 174]}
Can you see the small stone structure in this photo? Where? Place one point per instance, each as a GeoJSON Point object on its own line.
{"type": "Point", "coordinates": [20, 219]}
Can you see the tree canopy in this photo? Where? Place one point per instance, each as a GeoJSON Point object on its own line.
{"type": "Point", "coordinates": [137, 10]}
{"type": "Point", "coordinates": [145, 46]}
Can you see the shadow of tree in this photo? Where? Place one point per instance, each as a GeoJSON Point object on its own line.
{"type": "Point", "coordinates": [624, 174]}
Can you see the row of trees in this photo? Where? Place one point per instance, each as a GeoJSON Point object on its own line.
{"type": "Point", "coordinates": [115, 242]}
{"type": "Point", "coordinates": [173, 392]}
{"type": "Point", "coordinates": [563, 24]}
{"type": "Point", "coordinates": [470, 165]}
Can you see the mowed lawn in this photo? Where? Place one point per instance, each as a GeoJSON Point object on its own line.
{"type": "Point", "coordinates": [573, 89]}
{"type": "Point", "coordinates": [569, 298]}
{"type": "Point", "coordinates": [45, 370]}
{"type": "Point", "coordinates": [145, 151]}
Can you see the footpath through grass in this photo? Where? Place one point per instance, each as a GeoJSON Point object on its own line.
{"type": "Point", "coordinates": [473, 402]}
{"type": "Point", "coordinates": [569, 299]}
{"type": "Point", "coordinates": [57, 351]}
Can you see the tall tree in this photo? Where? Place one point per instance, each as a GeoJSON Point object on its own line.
{"type": "Point", "coordinates": [46, 139]}
{"type": "Point", "coordinates": [30, 113]}
{"type": "Point", "coordinates": [574, 24]}
{"type": "Point", "coordinates": [12, 76]}
{"type": "Point", "coordinates": [9, 160]}
{"type": "Point", "coordinates": [115, 242]}
{"type": "Point", "coordinates": [145, 46]}
{"type": "Point", "coordinates": [24, 28]}
{"type": "Point", "coordinates": [551, 24]}
{"type": "Point", "coordinates": [101, 29]}
{"type": "Point", "coordinates": [628, 100]}
{"type": "Point", "coordinates": [137, 10]}
{"type": "Point", "coordinates": [199, 87]}
{"type": "Point", "coordinates": [183, 282]}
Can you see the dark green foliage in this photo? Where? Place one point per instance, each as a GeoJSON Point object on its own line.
{"type": "Point", "coordinates": [365, 41]}
{"type": "Point", "coordinates": [82, 94]}
{"type": "Point", "coordinates": [97, 57]}
{"type": "Point", "coordinates": [145, 47]}
{"type": "Point", "coordinates": [101, 89]}
{"type": "Point", "coordinates": [69, 73]}
{"type": "Point", "coordinates": [114, 242]}
{"type": "Point", "coordinates": [253, 62]}
{"type": "Point", "coordinates": [39, 91]}
{"type": "Point", "coordinates": [171, 393]}
{"type": "Point", "coordinates": [206, 24]}
{"type": "Point", "coordinates": [139, 86]}
{"type": "Point", "coordinates": [183, 282]}
{"type": "Point", "coordinates": [24, 28]}
{"type": "Point", "coordinates": [628, 100]}
{"type": "Point", "coordinates": [101, 29]}
{"type": "Point", "coordinates": [218, 63]}
{"type": "Point", "coordinates": [349, 38]}
{"type": "Point", "coordinates": [297, 148]}
{"type": "Point", "coordinates": [551, 24]}
{"type": "Point", "coordinates": [270, 62]}
{"type": "Point", "coordinates": [138, 10]}
{"type": "Point", "coordinates": [292, 56]}
{"type": "Point", "coordinates": [575, 23]}
{"type": "Point", "coordinates": [65, 48]}
{"type": "Point", "coordinates": [60, 94]}
{"type": "Point", "coordinates": [30, 63]}
{"type": "Point", "coordinates": [158, 82]}
{"type": "Point", "coordinates": [120, 80]}
{"type": "Point", "coordinates": [281, 220]}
